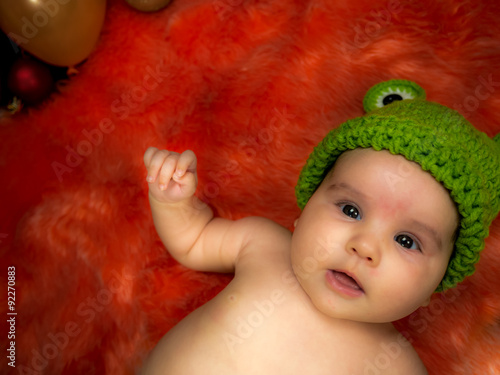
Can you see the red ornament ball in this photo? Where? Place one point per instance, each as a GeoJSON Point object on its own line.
{"type": "Point", "coordinates": [30, 80]}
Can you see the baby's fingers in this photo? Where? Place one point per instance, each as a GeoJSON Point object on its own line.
{"type": "Point", "coordinates": [148, 155]}
{"type": "Point", "coordinates": [186, 162]}
{"type": "Point", "coordinates": [167, 170]}
{"type": "Point", "coordinates": [156, 162]}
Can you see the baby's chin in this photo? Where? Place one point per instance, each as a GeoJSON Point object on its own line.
{"type": "Point", "coordinates": [366, 314]}
{"type": "Point", "coordinates": [362, 318]}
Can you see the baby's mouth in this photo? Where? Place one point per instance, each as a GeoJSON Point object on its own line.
{"type": "Point", "coordinates": [346, 280]}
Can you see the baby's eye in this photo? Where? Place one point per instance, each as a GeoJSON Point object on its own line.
{"type": "Point", "coordinates": [407, 242]}
{"type": "Point", "coordinates": [351, 211]}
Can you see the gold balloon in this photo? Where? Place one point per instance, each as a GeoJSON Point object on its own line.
{"type": "Point", "coordinates": [60, 32]}
{"type": "Point", "coordinates": [148, 5]}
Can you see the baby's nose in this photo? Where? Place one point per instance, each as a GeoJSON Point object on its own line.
{"type": "Point", "coordinates": [366, 247]}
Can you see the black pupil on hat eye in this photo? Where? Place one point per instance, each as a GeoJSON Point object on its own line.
{"type": "Point", "coordinates": [390, 98]}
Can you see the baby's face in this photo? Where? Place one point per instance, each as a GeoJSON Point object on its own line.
{"type": "Point", "coordinates": [383, 221]}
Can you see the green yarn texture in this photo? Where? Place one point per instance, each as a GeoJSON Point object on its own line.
{"type": "Point", "coordinates": [465, 160]}
{"type": "Point", "coordinates": [403, 88]}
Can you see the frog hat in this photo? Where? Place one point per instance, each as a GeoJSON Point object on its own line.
{"type": "Point", "coordinates": [465, 160]}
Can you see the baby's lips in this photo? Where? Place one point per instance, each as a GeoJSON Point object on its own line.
{"type": "Point", "coordinates": [353, 277]}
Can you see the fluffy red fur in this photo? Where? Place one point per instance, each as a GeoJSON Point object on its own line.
{"type": "Point", "coordinates": [251, 86]}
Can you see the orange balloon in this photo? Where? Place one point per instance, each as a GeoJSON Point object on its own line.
{"type": "Point", "coordinates": [59, 32]}
{"type": "Point", "coordinates": [148, 5]}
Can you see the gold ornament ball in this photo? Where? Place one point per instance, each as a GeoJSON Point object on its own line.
{"type": "Point", "coordinates": [148, 5]}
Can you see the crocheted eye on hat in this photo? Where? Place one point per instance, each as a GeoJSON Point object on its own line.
{"type": "Point", "coordinates": [465, 160]}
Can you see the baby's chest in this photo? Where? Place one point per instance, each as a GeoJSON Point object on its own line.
{"type": "Point", "coordinates": [271, 332]}
{"type": "Point", "coordinates": [267, 331]}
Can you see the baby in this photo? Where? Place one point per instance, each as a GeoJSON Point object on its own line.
{"type": "Point", "coordinates": [396, 205]}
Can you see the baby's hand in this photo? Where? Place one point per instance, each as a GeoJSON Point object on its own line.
{"type": "Point", "coordinates": [171, 176]}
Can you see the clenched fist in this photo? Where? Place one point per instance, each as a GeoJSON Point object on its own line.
{"type": "Point", "coordinates": [171, 176]}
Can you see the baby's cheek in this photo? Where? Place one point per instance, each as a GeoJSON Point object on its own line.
{"type": "Point", "coordinates": [374, 273]}
{"type": "Point", "coordinates": [396, 277]}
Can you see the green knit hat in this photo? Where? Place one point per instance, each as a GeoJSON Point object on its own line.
{"type": "Point", "coordinates": [465, 160]}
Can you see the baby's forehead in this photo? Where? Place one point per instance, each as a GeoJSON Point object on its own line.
{"type": "Point", "coordinates": [400, 176]}
{"type": "Point", "coordinates": [373, 157]}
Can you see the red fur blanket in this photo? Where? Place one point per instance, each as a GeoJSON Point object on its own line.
{"type": "Point", "coordinates": [251, 86]}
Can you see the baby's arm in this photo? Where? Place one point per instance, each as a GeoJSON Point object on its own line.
{"type": "Point", "coordinates": [185, 224]}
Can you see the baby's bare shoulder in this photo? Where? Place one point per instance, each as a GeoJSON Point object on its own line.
{"type": "Point", "coordinates": [408, 363]}
{"type": "Point", "coordinates": [263, 231]}
{"type": "Point", "coordinates": [266, 242]}
{"type": "Point", "coordinates": [396, 356]}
